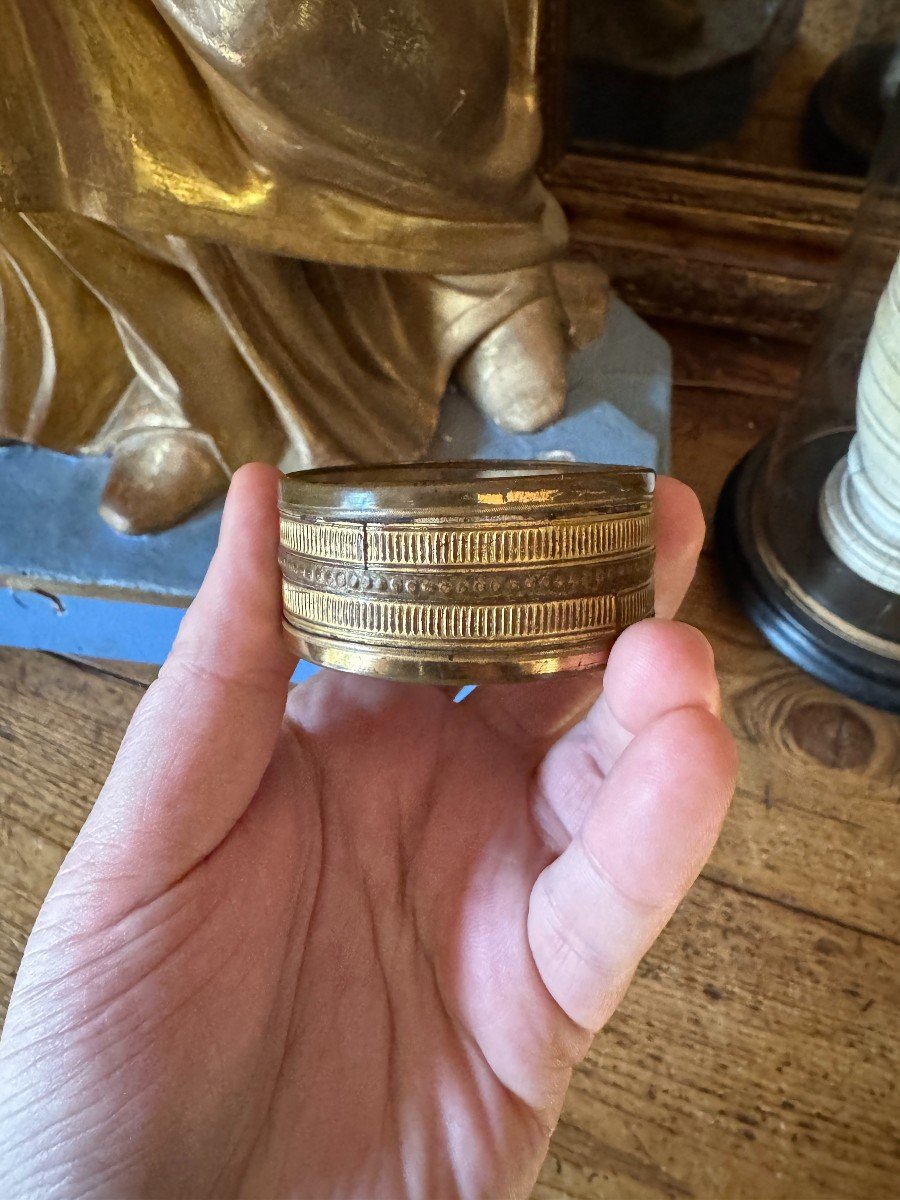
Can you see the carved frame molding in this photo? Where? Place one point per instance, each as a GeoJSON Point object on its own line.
{"type": "Point", "coordinates": [714, 242]}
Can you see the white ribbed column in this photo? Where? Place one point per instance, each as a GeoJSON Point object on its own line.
{"type": "Point", "coordinates": [860, 504]}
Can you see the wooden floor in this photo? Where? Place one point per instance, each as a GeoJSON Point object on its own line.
{"type": "Point", "coordinates": [755, 1057]}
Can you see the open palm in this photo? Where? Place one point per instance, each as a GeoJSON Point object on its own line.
{"type": "Point", "coordinates": [356, 948]}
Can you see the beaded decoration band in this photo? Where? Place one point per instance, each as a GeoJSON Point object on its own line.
{"type": "Point", "coordinates": [465, 572]}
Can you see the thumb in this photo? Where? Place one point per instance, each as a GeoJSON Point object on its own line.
{"type": "Point", "coordinates": [202, 737]}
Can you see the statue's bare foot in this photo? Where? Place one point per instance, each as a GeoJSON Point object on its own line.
{"type": "Point", "coordinates": [517, 372]}
{"type": "Point", "coordinates": [522, 326]}
{"type": "Point", "coordinates": [159, 477]}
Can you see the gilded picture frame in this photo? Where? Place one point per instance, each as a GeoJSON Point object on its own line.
{"type": "Point", "coordinates": [715, 242]}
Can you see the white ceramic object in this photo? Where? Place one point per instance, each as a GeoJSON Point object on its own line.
{"type": "Point", "coordinates": [860, 503]}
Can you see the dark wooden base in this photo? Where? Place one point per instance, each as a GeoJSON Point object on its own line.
{"type": "Point", "coordinates": [787, 623]}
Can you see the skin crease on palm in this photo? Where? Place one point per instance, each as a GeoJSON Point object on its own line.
{"type": "Point", "coordinates": [354, 946]}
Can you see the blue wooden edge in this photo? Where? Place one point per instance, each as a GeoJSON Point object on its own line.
{"type": "Point", "coordinates": [120, 630]}
{"type": "Point", "coordinates": [115, 629]}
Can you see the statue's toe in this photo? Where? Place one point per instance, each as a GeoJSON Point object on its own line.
{"type": "Point", "coordinates": [159, 477]}
{"type": "Point", "coordinates": [516, 374]}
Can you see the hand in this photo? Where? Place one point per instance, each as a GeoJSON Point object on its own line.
{"type": "Point", "coordinates": [353, 948]}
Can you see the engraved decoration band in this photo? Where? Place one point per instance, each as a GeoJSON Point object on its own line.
{"type": "Point", "coordinates": [433, 573]}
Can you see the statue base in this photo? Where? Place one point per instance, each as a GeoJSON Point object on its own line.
{"type": "Point", "coordinates": [71, 585]}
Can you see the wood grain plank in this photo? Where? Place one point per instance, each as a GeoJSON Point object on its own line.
{"type": "Point", "coordinates": [817, 814]}
{"type": "Point", "coordinates": [60, 727]}
{"type": "Point", "coordinates": [754, 1056]}
{"type": "Point", "coordinates": [816, 819]}
{"type": "Point", "coordinates": [142, 674]}
{"type": "Point", "coordinates": [730, 363]}
{"type": "Point", "coordinates": [28, 864]}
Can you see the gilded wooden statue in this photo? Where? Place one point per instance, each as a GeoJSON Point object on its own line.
{"type": "Point", "coordinates": [268, 229]}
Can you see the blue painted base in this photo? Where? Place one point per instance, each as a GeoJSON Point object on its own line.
{"type": "Point", "coordinates": [69, 584]}
{"type": "Point", "coordinates": [122, 630]}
